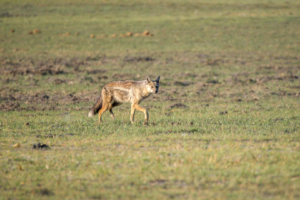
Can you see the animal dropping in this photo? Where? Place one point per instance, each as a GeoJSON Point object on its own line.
{"type": "Point", "coordinates": [36, 31]}
{"type": "Point", "coordinates": [146, 32]}
{"type": "Point", "coordinates": [129, 34]}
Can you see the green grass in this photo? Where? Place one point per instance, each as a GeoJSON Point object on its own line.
{"type": "Point", "coordinates": [234, 64]}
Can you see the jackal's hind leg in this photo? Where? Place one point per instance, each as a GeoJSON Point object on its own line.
{"type": "Point", "coordinates": [101, 111]}
{"type": "Point", "coordinates": [111, 107]}
{"type": "Point", "coordinates": [112, 114]}
{"type": "Point", "coordinates": [140, 108]}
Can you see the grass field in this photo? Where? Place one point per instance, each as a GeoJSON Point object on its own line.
{"type": "Point", "coordinates": [224, 125]}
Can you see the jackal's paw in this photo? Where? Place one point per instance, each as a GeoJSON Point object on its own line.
{"type": "Point", "coordinates": [146, 123]}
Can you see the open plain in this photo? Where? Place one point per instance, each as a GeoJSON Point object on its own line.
{"type": "Point", "coordinates": [225, 123]}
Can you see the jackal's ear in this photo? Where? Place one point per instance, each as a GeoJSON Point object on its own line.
{"type": "Point", "coordinates": [149, 79]}
{"type": "Point", "coordinates": [157, 79]}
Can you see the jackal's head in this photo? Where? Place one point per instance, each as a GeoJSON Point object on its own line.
{"type": "Point", "coordinates": [153, 86]}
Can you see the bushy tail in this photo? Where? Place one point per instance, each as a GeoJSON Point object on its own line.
{"type": "Point", "coordinates": [97, 106]}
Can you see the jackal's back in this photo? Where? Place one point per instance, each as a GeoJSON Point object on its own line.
{"type": "Point", "coordinates": [125, 85]}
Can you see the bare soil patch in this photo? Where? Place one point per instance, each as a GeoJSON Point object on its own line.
{"type": "Point", "coordinates": [10, 106]}
{"type": "Point", "coordinates": [40, 146]}
{"type": "Point", "coordinates": [138, 59]}
{"type": "Point", "coordinates": [44, 70]}
{"type": "Point", "coordinates": [178, 105]}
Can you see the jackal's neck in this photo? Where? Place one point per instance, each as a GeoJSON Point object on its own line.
{"type": "Point", "coordinates": [145, 92]}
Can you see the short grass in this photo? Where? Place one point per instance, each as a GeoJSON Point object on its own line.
{"type": "Point", "coordinates": [235, 65]}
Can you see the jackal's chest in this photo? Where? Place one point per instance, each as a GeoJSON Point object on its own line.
{"type": "Point", "coordinates": [145, 96]}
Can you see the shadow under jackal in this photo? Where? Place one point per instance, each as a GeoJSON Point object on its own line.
{"type": "Point", "coordinates": [116, 93]}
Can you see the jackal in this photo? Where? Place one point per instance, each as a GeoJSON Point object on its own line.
{"type": "Point", "coordinates": [115, 93]}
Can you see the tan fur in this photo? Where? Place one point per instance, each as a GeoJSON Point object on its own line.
{"type": "Point", "coordinates": [116, 93]}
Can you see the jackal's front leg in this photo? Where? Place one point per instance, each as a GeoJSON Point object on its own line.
{"type": "Point", "coordinates": [132, 113]}
{"type": "Point", "coordinates": [140, 108]}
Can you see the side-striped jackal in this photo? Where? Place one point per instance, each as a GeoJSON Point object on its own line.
{"type": "Point", "coordinates": [116, 93]}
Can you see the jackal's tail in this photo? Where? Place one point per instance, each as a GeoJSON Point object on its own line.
{"type": "Point", "coordinates": [97, 106]}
